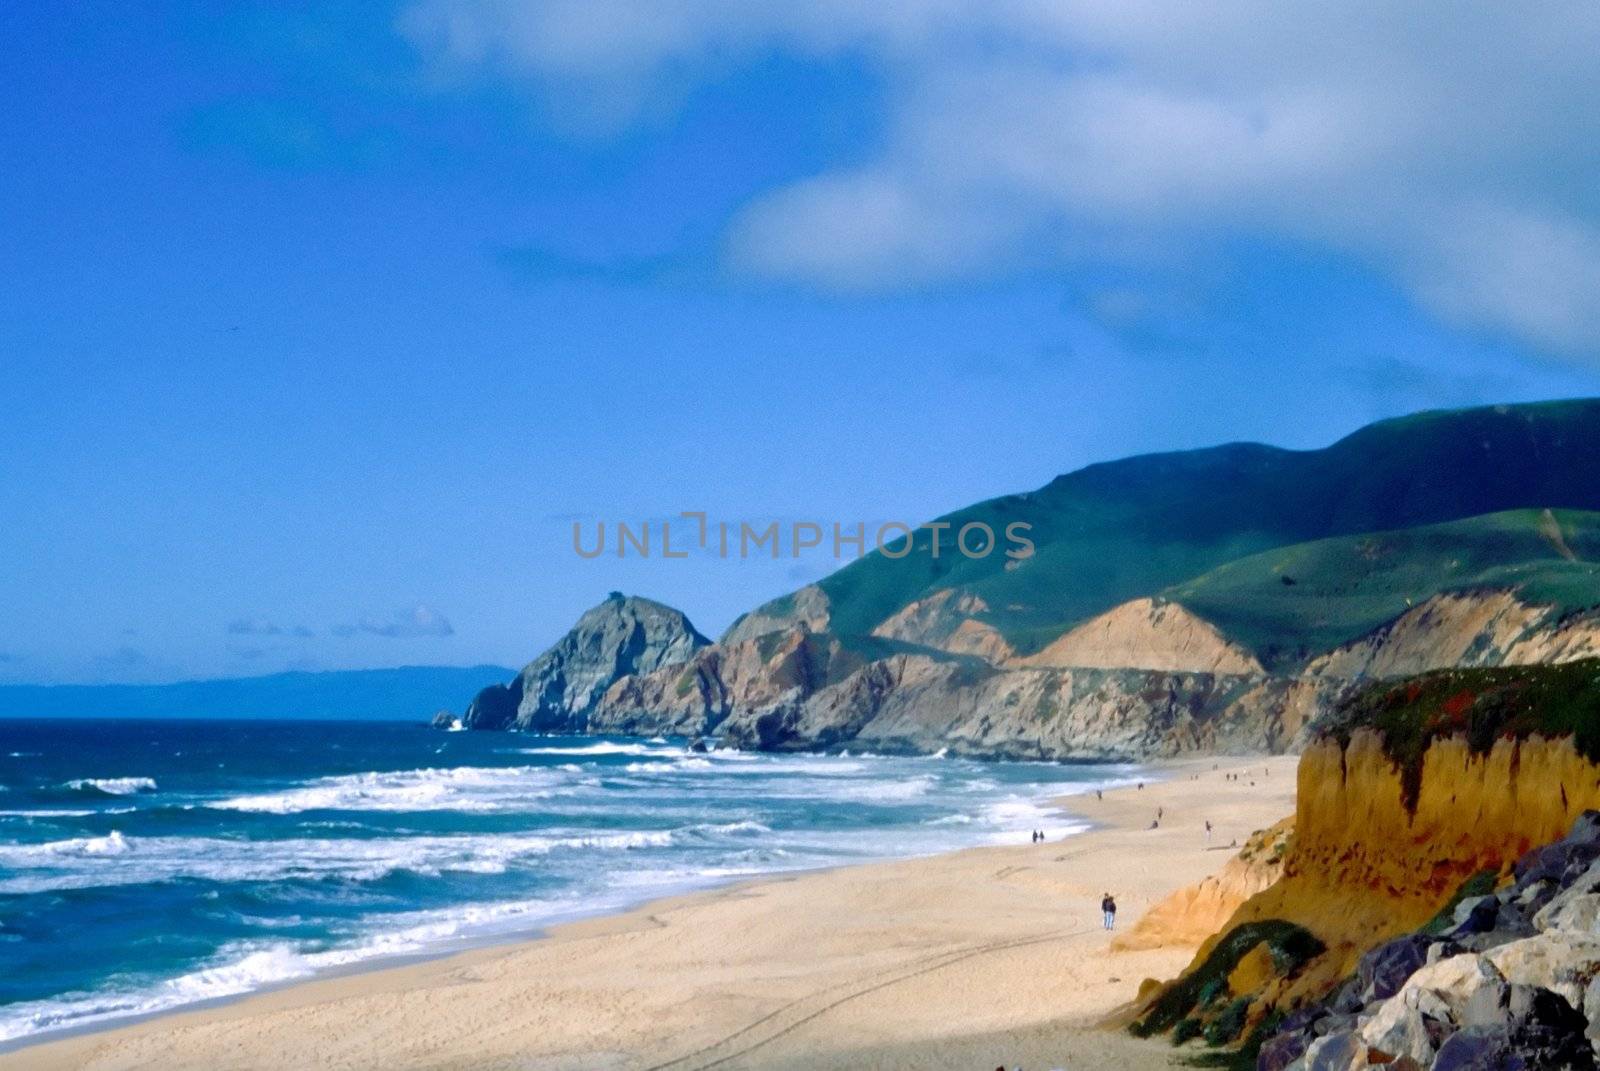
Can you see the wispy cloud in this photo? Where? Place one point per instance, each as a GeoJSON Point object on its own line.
{"type": "Point", "coordinates": [1447, 155]}
{"type": "Point", "coordinates": [124, 657]}
{"type": "Point", "coordinates": [257, 626]}
{"type": "Point", "coordinates": [416, 622]}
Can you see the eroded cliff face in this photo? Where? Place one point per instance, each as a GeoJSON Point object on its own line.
{"type": "Point", "coordinates": [1148, 634]}
{"type": "Point", "coordinates": [1145, 679]}
{"type": "Point", "coordinates": [802, 690]}
{"type": "Point", "coordinates": [1195, 912]}
{"type": "Point", "coordinates": [1364, 866]}
{"type": "Point", "coordinates": [1484, 628]}
{"type": "Point", "coordinates": [945, 621]}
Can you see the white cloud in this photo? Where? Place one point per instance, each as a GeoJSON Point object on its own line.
{"type": "Point", "coordinates": [257, 626]}
{"type": "Point", "coordinates": [1451, 149]}
{"type": "Point", "coordinates": [418, 621]}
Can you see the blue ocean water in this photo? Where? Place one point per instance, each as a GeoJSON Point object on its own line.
{"type": "Point", "coordinates": [145, 865]}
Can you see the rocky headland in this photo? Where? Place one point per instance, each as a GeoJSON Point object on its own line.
{"type": "Point", "coordinates": [1211, 601]}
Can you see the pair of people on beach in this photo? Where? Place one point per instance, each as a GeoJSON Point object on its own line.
{"type": "Point", "coordinates": [1038, 836]}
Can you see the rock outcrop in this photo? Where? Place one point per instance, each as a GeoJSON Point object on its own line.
{"type": "Point", "coordinates": [933, 678]}
{"type": "Point", "coordinates": [800, 690]}
{"type": "Point", "coordinates": [622, 637]}
{"type": "Point", "coordinates": [807, 608]}
{"type": "Point", "coordinates": [1505, 979]}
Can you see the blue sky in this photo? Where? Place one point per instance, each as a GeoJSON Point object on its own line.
{"type": "Point", "coordinates": [321, 325]}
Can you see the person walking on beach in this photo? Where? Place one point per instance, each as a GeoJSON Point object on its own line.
{"type": "Point", "coordinates": [1108, 908]}
{"type": "Point", "coordinates": [1208, 829]}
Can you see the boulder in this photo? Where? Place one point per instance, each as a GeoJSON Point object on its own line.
{"type": "Point", "coordinates": [1400, 1029]}
{"type": "Point", "coordinates": [1281, 1051]}
{"type": "Point", "coordinates": [1336, 1052]}
{"type": "Point", "coordinates": [1478, 1048]}
{"type": "Point", "coordinates": [1558, 963]}
{"type": "Point", "coordinates": [1476, 914]}
{"type": "Point", "coordinates": [1571, 913]}
{"type": "Point", "coordinates": [1547, 1031]}
{"type": "Point", "coordinates": [1574, 908]}
{"type": "Point", "coordinates": [1385, 969]}
{"type": "Point", "coordinates": [1558, 863]}
{"type": "Point", "coordinates": [1454, 980]}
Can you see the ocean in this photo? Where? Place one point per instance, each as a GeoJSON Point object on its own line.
{"type": "Point", "coordinates": [148, 865]}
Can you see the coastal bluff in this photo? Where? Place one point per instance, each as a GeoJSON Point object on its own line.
{"type": "Point", "coordinates": [1416, 799]}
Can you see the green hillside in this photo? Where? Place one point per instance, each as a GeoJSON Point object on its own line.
{"type": "Point", "coordinates": [1123, 529]}
{"type": "Point", "coordinates": [1291, 602]}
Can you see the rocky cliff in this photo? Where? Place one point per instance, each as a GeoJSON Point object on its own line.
{"type": "Point", "coordinates": [620, 638]}
{"type": "Point", "coordinates": [1144, 691]}
{"type": "Point", "coordinates": [1146, 679]}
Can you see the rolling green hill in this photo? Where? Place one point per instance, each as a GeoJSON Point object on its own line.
{"type": "Point", "coordinates": [1291, 602]}
{"type": "Point", "coordinates": [1116, 531]}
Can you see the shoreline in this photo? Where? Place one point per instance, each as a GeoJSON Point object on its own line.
{"type": "Point", "coordinates": [755, 954]}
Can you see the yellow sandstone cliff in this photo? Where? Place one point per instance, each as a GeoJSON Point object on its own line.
{"type": "Point", "coordinates": [1362, 866]}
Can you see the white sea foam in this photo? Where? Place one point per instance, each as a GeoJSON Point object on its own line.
{"type": "Point", "coordinates": [112, 786]}
{"type": "Point", "coordinates": [85, 862]}
{"type": "Point", "coordinates": [605, 748]}
{"type": "Point", "coordinates": [462, 788]}
{"type": "Point", "coordinates": [705, 818]}
{"type": "Point", "coordinates": [245, 967]}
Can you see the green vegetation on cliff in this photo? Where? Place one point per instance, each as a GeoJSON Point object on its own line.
{"type": "Point", "coordinates": [1201, 996]}
{"type": "Point", "coordinates": [1482, 705]}
{"type": "Point", "coordinates": [1124, 529]}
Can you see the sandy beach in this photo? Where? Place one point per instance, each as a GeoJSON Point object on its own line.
{"type": "Point", "coordinates": [975, 959]}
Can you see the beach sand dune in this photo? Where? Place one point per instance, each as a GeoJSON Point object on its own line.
{"type": "Point", "coordinates": [975, 959]}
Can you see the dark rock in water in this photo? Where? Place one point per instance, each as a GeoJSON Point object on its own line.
{"type": "Point", "coordinates": [443, 719]}
{"type": "Point", "coordinates": [494, 707]}
{"type": "Point", "coordinates": [699, 746]}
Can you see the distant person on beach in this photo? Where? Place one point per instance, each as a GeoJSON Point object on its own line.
{"type": "Point", "coordinates": [1108, 908]}
{"type": "Point", "coordinates": [1099, 795]}
{"type": "Point", "coordinates": [1208, 829]}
